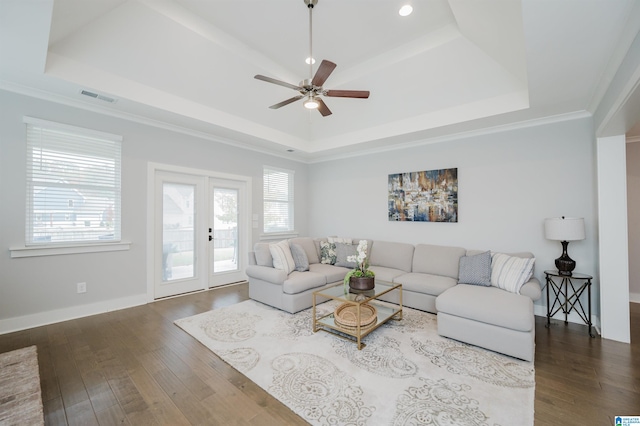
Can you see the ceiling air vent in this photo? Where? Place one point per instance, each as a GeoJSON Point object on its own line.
{"type": "Point", "coordinates": [97, 96]}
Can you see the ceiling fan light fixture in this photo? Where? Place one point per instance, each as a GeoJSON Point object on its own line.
{"type": "Point", "coordinates": [405, 10]}
{"type": "Point", "coordinates": [311, 103]}
{"type": "Point", "coordinates": [310, 90]}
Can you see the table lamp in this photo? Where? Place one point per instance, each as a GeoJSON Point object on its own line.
{"type": "Point", "coordinates": [564, 229]}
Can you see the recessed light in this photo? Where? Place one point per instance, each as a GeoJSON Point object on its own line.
{"type": "Point", "coordinates": [289, 150]}
{"type": "Point", "coordinates": [405, 10]}
{"type": "Point", "coordinates": [310, 61]}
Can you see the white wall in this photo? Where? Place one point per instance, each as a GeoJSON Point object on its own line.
{"type": "Point", "coordinates": [613, 244]}
{"type": "Point", "coordinates": [30, 287]}
{"type": "Point", "coordinates": [508, 183]}
{"type": "Point", "coordinates": [633, 214]}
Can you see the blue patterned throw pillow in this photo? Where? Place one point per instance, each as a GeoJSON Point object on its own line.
{"type": "Point", "coordinates": [327, 253]}
{"type": "Point", "coordinates": [475, 269]}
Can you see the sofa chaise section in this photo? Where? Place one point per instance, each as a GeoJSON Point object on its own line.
{"type": "Point", "coordinates": [488, 317]}
{"type": "Point", "coordinates": [491, 317]}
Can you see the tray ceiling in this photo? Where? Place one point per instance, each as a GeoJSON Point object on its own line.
{"type": "Point", "coordinates": [450, 67]}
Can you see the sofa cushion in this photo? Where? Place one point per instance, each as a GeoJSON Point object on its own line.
{"type": "Point", "coordinates": [386, 274]}
{"type": "Point", "coordinates": [327, 253]}
{"type": "Point", "coordinates": [437, 260]}
{"type": "Point", "coordinates": [297, 282]}
{"type": "Point", "coordinates": [425, 283]}
{"type": "Point", "coordinates": [343, 251]}
{"type": "Point", "coordinates": [510, 272]}
{"type": "Point", "coordinates": [299, 257]}
{"type": "Point", "coordinates": [392, 255]}
{"type": "Point", "coordinates": [475, 269]}
{"type": "Point", "coordinates": [263, 254]}
{"type": "Point", "coordinates": [489, 305]}
{"type": "Point", "coordinates": [331, 272]}
{"type": "Point", "coordinates": [282, 258]}
{"type": "Point", "coordinates": [309, 247]}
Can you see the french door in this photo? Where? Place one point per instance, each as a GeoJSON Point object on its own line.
{"type": "Point", "coordinates": [228, 212]}
{"type": "Point", "coordinates": [199, 232]}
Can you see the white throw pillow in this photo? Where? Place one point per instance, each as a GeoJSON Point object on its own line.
{"type": "Point", "coordinates": [342, 240]}
{"type": "Point", "coordinates": [510, 272]}
{"type": "Point", "coordinates": [282, 258]}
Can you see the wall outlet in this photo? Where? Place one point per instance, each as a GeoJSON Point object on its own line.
{"type": "Point", "coordinates": [82, 287]}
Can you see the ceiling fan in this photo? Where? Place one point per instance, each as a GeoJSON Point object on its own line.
{"type": "Point", "coordinates": [311, 88]}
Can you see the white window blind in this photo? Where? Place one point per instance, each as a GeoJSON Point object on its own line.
{"type": "Point", "coordinates": [277, 200]}
{"type": "Point", "coordinates": [73, 184]}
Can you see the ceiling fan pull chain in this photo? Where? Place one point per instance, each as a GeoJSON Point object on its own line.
{"type": "Point", "coordinates": [310, 6]}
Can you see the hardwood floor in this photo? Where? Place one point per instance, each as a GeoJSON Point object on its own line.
{"type": "Point", "coordinates": [136, 367]}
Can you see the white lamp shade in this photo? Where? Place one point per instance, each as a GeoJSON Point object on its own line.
{"type": "Point", "coordinates": [564, 228]}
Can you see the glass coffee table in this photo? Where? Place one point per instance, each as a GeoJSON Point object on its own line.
{"type": "Point", "coordinates": [360, 312]}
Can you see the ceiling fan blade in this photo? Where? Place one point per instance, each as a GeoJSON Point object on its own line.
{"type": "Point", "coordinates": [287, 102]}
{"type": "Point", "coordinates": [278, 82]}
{"type": "Point", "coordinates": [324, 71]}
{"type": "Point", "coordinates": [363, 94]}
{"type": "Point", "coordinates": [323, 108]}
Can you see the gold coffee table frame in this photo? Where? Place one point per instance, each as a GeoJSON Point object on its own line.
{"type": "Point", "coordinates": [386, 310]}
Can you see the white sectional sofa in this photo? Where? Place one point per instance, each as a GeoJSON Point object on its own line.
{"type": "Point", "coordinates": [485, 316]}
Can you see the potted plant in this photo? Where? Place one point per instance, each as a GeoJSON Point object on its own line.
{"type": "Point", "coordinates": [360, 278]}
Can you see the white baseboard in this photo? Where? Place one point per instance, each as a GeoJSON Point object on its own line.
{"type": "Point", "coordinates": [634, 297]}
{"type": "Point", "coordinates": [10, 325]}
{"type": "Point", "coordinates": [541, 311]}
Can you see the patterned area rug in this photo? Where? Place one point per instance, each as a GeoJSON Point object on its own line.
{"type": "Point", "coordinates": [406, 375]}
{"type": "Point", "coordinates": [20, 396]}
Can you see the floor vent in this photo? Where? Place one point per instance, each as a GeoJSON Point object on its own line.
{"type": "Point", "coordinates": [97, 96]}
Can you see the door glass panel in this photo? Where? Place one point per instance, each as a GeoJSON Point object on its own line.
{"type": "Point", "coordinates": [225, 229]}
{"type": "Point", "coordinates": [178, 234]}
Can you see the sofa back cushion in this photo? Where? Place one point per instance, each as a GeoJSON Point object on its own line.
{"type": "Point", "coordinates": [437, 260]}
{"type": "Point", "coordinates": [309, 247]}
{"type": "Point", "coordinates": [392, 255]}
{"type": "Point", "coordinates": [263, 254]}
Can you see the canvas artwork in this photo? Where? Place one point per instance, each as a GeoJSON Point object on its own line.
{"type": "Point", "coordinates": [427, 196]}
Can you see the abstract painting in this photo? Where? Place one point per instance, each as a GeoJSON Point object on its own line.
{"type": "Point", "coordinates": [427, 196]}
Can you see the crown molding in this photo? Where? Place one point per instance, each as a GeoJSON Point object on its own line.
{"type": "Point", "coordinates": [303, 157]}
{"type": "Point", "coordinates": [99, 109]}
{"type": "Point", "coordinates": [576, 115]}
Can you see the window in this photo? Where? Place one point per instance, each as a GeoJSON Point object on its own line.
{"type": "Point", "coordinates": [73, 184]}
{"type": "Point", "coordinates": [277, 200]}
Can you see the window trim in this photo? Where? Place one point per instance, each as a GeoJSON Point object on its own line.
{"type": "Point", "coordinates": [51, 250]}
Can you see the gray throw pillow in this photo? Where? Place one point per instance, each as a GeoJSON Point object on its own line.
{"type": "Point", "coordinates": [342, 251]}
{"type": "Point", "coordinates": [299, 258]}
{"type": "Point", "coordinates": [475, 270]}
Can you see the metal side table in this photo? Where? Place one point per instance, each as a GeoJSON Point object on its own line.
{"type": "Point", "coordinates": [567, 290]}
